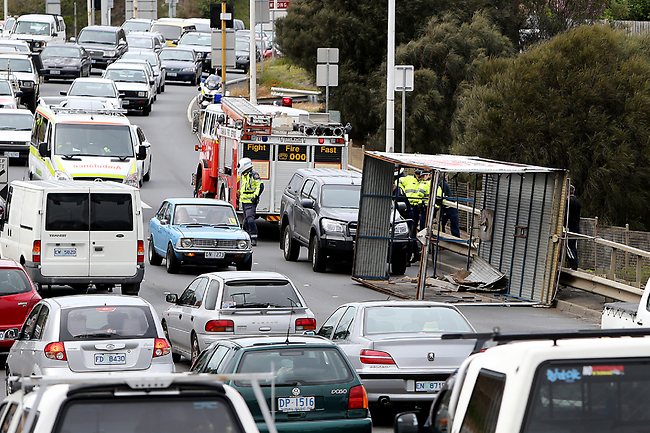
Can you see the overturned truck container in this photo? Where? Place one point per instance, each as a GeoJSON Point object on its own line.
{"type": "Point", "coordinates": [512, 244]}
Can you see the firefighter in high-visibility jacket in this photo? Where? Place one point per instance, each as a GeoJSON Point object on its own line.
{"type": "Point", "coordinates": [250, 189]}
{"type": "Point", "coordinates": [425, 191]}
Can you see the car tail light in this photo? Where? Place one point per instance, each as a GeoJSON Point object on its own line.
{"type": "Point", "coordinates": [357, 398]}
{"type": "Point", "coordinates": [287, 102]}
{"type": "Point", "coordinates": [220, 326]}
{"type": "Point", "coordinates": [36, 252]}
{"type": "Point", "coordinates": [376, 357]}
{"type": "Point", "coordinates": [140, 252]}
{"type": "Point", "coordinates": [55, 351]}
{"type": "Point", "coordinates": [161, 347]}
{"type": "Point", "coordinates": [305, 324]}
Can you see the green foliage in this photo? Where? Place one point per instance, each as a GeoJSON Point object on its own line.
{"type": "Point", "coordinates": [635, 10]}
{"type": "Point", "coordinates": [201, 9]}
{"type": "Point", "coordinates": [578, 102]}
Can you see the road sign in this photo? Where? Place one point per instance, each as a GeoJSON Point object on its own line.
{"type": "Point", "coordinates": [262, 12]}
{"type": "Point", "coordinates": [327, 75]}
{"type": "Point", "coordinates": [278, 4]}
{"type": "Point", "coordinates": [146, 9]}
{"type": "Point", "coordinates": [327, 55]}
{"type": "Point", "coordinates": [231, 58]}
{"type": "Point", "coordinates": [327, 71]}
{"type": "Point", "coordinates": [215, 15]}
{"type": "Point", "coordinates": [404, 78]}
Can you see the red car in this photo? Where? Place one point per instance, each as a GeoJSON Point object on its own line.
{"type": "Point", "coordinates": [17, 297]}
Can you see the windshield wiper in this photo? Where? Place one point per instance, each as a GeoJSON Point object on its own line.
{"type": "Point", "coordinates": [70, 157]}
{"type": "Point", "coordinates": [96, 335]}
{"type": "Point", "coordinates": [193, 224]}
{"type": "Point", "coordinates": [221, 225]}
{"type": "Point", "coordinates": [121, 158]}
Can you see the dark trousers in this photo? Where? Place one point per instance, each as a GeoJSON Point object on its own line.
{"type": "Point", "coordinates": [451, 214]}
{"type": "Point", "coordinates": [250, 215]}
{"type": "Point", "coordinates": [572, 253]}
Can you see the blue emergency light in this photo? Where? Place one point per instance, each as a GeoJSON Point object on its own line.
{"type": "Point", "coordinates": [217, 98]}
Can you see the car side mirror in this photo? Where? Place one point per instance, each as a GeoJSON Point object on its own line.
{"type": "Point", "coordinates": [142, 153]}
{"type": "Point", "coordinates": [307, 203]}
{"type": "Point", "coordinates": [63, 93]}
{"type": "Point", "coordinates": [406, 422]}
{"type": "Point", "coordinates": [19, 93]}
{"type": "Point", "coordinates": [401, 207]}
{"type": "Point", "coordinates": [171, 298]}
{"type": "Point", "coordinates": [152, 81]}
{"type": "Point", "coordinates": [73, 39]}
{"type": "Point", "coordinates": [164, 222]}
{"type": "Point", "coordinates": [54, 35]}
{"type": "Point", "coordinates": [43, 150]}
{"type": "Point", "coordinates": [121, 94]}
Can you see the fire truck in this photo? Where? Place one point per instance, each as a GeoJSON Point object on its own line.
{"type": "Point", "coordinates": [277, 141]}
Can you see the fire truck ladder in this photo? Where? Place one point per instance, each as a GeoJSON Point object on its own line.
{"type": "Point", "coordinates": [242, 110]}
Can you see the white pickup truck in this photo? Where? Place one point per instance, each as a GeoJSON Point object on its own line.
{"type": "Point", "coordinates": [627, 314]}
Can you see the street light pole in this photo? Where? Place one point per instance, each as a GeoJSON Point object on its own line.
{"type": "Point", "coordinates": [252, 48]}
{"type": "Point", "coordinates": [390, 80]}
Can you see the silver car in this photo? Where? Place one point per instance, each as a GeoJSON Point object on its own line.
{"type": "Point", "coordinates": [89, 333]}
{"type": "Point", "coordinates": [159, 72]}
{"type": "Point", "coordinates": [220, 305]}
{"type": "Point", "coordinates": [395, 346]}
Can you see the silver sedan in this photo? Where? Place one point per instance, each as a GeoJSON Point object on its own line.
{"type": "Point", "coordinates": [396, 348]}
{"type": "Point", "coordinates": [221, 305]}
{"type": "Point", "coordinates": [89, 333]}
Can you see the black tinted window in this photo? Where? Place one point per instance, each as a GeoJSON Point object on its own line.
{"type": "Point", "coordinates": [107, 322]}
{"type": "Point", "coordinates": [341, 196]}
{"type": "Point", "coordinates": [13, 281]}
{"type": "Point", "coordinates": [294, 183]}
{"type": "Point", "coordinates": [111, 212]}
{"type": "Point", "coordinates": [484, 404]}
{"type": "Point", "coordinates": [198, 414]}
{"type": "Point", "coordinates": [259, 294]}
{"type": "Point", "coordinates": [67, 211]}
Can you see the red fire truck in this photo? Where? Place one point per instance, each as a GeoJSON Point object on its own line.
{"type": "Point", "coordinates": [278, 141]}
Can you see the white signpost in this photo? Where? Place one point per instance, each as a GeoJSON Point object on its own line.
{"type": "Point", "coordinates": [327, 71]}
{"type": "Point", "coordinates": [231, 58]}
{"type": "Point", "coordinates": [404, 80]}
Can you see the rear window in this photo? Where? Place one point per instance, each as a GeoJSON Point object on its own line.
{"type": "Point", "coordinates": [590, 396]}
{"type": "Point", "coordinates": [67, 211]}
{"type": "Point", "coordinates": [111, 212]}
{"type": "Point", "coordinates": [13, 281]}
{"type": "Point", "coordinates": [391, 320]}
{"type": "Point", "coordinates": [259, 294]}
{"type": "Point", "coordinates": [150, 414]}
{"type": "Point", "coordinates": [107, 322]}
{"type": "Point", "coordinates": [293, 366]}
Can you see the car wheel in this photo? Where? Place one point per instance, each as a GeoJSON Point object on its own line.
{"type": "Point", "coordinates": [172, 263]}
{"type": "Point", "coordinates": [195, 349]}
{"type": "Point", "coordinates": [246, 264]}
{"type": "Point", "coordinates": [193, 82]}
{"type": "Point", "coordinates": [147, 176]}
{"type": "Point", "coordinates": [131, 289]}
{"type": "Point", "coordinates": [317, 255]}
{"type": "Point", "coordinates": [398, 263]}
{"type": "Point", "coordinates": [146, 110]}
{"type": "Point", "coordinates": [290, 246]}
{"type": "Point", "coordinates": [162, 88]}
{"type": "Point", "coordinates": [154, 258]}
{"type": "Point", "coordinates": [175, 356]}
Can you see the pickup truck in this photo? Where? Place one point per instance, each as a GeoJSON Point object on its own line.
{"type": "Point", "coordinates": [627, 314]}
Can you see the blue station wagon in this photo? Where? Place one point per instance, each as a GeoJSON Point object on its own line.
{"type": "Point", "coordinates": [198, 231]}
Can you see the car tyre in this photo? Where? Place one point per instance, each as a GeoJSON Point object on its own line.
{"type": "Point", "coordinates": [155, 259]}
{"type": "Point", "coordinates": [246, 264]}
{"type": "Point", "coordinates": [131, 289]}
{"type": "Point", "coordinates": [317, 255]}
{"type": "Point", "coordinates": [146, 110]}
{"type": "Point", "coordinates": [398, 263]}
{"type": "Point", "coordinates": [172, 264]}
{"type": "Point", "coordinates": [194, 351]}
{"type": "Point", "coordinates": [147, 176]}
{"type": "Point", "coordinates": [290, 246]}
{"type": "Point", "coordinates": [162, 88]}
{"type": "Point", "coordinates": [175, 356]}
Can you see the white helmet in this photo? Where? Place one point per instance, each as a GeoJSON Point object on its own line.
{"type": "Point", "coordinates": [244, 165]}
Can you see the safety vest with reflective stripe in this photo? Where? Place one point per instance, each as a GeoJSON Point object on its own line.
{"type": "Point", "coordinates": [249, 187]}
{"type": "Point", "coordinates": [425, 188]}
{"type": "Point", "coordinates": [411, 187]}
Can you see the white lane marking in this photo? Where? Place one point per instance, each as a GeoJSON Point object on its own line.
{"type": "Point", "coordinates": [145, 205]}
{"type": "Point", "coordinates": [189, 110]}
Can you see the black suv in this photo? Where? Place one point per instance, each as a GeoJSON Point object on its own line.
{"type": "Point", "coordinates": [319, 210]}
{"type": "Point", "coordinates": [105, 44]}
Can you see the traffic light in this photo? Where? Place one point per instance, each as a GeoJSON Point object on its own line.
{"type": "Point", "coordinates": [215, 15]}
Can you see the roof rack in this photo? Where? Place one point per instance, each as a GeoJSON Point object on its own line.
{"type": "Point", "coordinates": [104, 111]}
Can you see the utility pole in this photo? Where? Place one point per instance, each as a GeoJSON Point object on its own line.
{"type": "Point", "coordinates": [89, 5]}
{"type": "Point", "coordinates": [223, 46]}
{"type": "Point", "coordinates": [135, 8]}
{"type": "Point", "coordinates": [6, 7]}
{"type": "Point", "coordinates": [252, 70]}
{"type": "Point", "coordinates": [390, 80]}
{"type": "Point", "coordinates": [75, 18]}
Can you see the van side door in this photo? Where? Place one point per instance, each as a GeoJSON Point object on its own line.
{"type": "Point", "coordinates": [10, 231]}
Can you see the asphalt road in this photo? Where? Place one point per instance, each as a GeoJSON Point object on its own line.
{"type": "Point", "coordinates": [174, 159]}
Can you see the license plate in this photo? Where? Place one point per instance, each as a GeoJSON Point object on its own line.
{"type": "Point", "coordinates": [124, 102]}
{"type": "Point", "coordinates": [215, 254]}
{"type": "Point", "coordinates": [110, 358]}
{"type": "Point", "coordinates": [428, 386]}
{"type": "Point", "coordinates": [93, 60]}
{"type": "Point", "coordinates": [55, 72]}
{"type": "Point", "coordinates": [65, 252]}
{"type": "Point", "coordinates": [12, 154]}
{"type": "Point", "coordinates": [172, 74]}
{"type": "Point", "coordinates": [296, 404]}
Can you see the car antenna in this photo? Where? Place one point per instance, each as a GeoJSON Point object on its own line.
{"type": "Point", "coordinates": [293, 303]}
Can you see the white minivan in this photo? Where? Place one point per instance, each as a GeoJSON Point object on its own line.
{"type": "Point", "coordinates": [76, 233]}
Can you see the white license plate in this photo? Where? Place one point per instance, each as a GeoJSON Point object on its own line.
{"type": "Point", "coordinates": [296, 404]}
{"type": "Point", "coordinates": [215, 254]}
{"type": "Point", "coordinates": [171, 74]}
{"type": "Point", "coordinates": [54, 72]}
{"type": "Point", "coordinates": [428, 386]}
{"type": "Point", "coordinates": [65, 252]}
{"type": "Point", "coordinates": [124, 102]}
{"type": "Point", "coordinates": [12, 154]}
{"type": "Point", "coordinates": [110, 358]}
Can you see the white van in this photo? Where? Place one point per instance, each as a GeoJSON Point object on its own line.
{"type": "Point", "coordinates": [39, 29]}
{"type": "Point", "coordinates": [76, 233]}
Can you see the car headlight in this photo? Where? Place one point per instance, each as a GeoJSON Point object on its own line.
{"type": "Point", "coordinates": [401, 228]}
{"type": "Point", "coordinates": [11, 334]}
{"type": "Point", "coordinates": [142, 94]}
{"type": "Point", "coordinates": [186, 242]}
{"type": "Point", "coordinates": [109, 53]}
{"type": "Point", "coordinates": [188, 69]}
{"type": "Point", "coordinates": [332, 226]}
{"type": "Point", "coordinates": [60, 175]}
{"type": "Point", "coordinates": [243, 244]}
{"type": "Point", "coordinates": [132, 180]}
{"type": "Point", "coordinates": [27, 84]}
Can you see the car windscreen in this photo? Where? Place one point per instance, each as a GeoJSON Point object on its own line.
{"type": "Point", "coordinates": [297, 366]}
{"type": "Point", "coordinates": [242, 46]}
{"type": "Point", "coordinates": [150, 57]}
{"type": "Point", "coordinates": [16, 121]}
{"type": "Point", "coordinates": [93, 139]}
{"type": "Point", "coordinates": [179, 55]}
{"type": "Point", "coordinates": [597, 396]}
{"type": "Point", "coordinates": [136, 26]}
{"type": "Point", "coordinates": [212, 215]}
{"type": "Point", "coordinates": [170, 32]}
{"type": "Point", "coordinates": [259, 294]}
{"type": "Point", "coordinates": [341, 196]}
{"type": "Point", "coordinates": [67, 212]}
{"type": "Point", "coordinates": [126, 75]}
{"type": "Point", "coordinates": [97, 37]}
{"type": "Point", "coordinates": [415, 319]}
{"type": "Point", "coordinates": [193, 38]}
{"type": "Point", "coordinates": [13, 281]}
{"type": "Point", "coordinates": [15, 65]}
{"type": "Point", "coordinates": [5, 88]}
{"type": "Point", "coordinates": [203, 413]}
{"type": "Point", "coordinates": [107, 322]}
{"type": "Point", "coordinates": [139, 42]}
{"type": "Point", "coordinates": [92, 88]}
{"type": "Point", "coordinates": [32, 28]}
{"type": "Point", "coordinates": [111, 212]}
{"type": "Point", "coordinates": [54, 51]}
